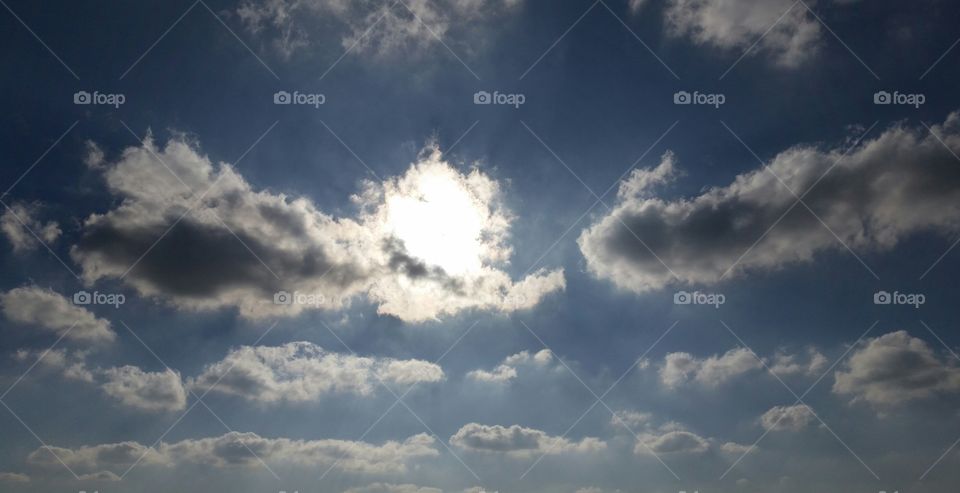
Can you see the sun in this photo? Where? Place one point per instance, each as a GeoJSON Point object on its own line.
{"type": "Point", "coordinates": [444, 218]}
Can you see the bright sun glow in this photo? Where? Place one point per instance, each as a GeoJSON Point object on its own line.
{"type": "Point", "coordinates": [438, 219]}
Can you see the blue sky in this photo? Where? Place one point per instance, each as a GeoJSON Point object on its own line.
{"type": "Point", "coordinates": [595, 288]}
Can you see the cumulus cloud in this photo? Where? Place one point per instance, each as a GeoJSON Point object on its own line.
{"type": "Point", "coordinates": [234, 450]}
{"type": "Point", "coordinates": [425, 244]}
{"type": "Point", "coordinates": [303, 371]}
{"type": "Point", "coordinates": [393, 488]}
{"type": "Point", "coordinates": [19, 225]}
{"type": "Point", "coordinates": [507, 370]}
{"type": "Point", "coordinates": [902, 182]}
{"type": "Point", "coordinates": [160, 391]}
{"type": "Point", "coordinates": [370, 27]}
{"type": "Point", "coordinates": [681, 368]}
{"type": "Point", "coordinates": [896, 368]}
{"type": "Point", "coordinates": [48, 310]}
{"type": "Point", "coordinates": [787, 418]}
{"type": "Point", "coordinates": [738, 24]}
{"type": "Point", "coordinates": [517, 441]}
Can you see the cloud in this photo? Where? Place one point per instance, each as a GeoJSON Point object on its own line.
{"type": "Point", "coordinates": [665, 438]}
{"type": "Point", "coordinates": [234, 450]}
{"type": "Point", "coordinates": [99, 476]}
{"type": "Point", "coordinates": [787, 418]}
{"type": "Point", "coordinates": [423, 245]}
{"type": "Point", "coordinates": [786, 364]}
{"type": "Point", "coordinates": [150, 391]}
{"type": "Point", "coordinates": [393, 488]}
{"type": "Point", "coordinates": [369, 27]}
{"type": "Point", "coordinates": [507, 370]}
{"type": "Point", "coordinates": [737, 24]}
{"type": "Point", "coordinates": [48, 310]}
{"type": "Point", "coordinates": [71, 364]}
{"type": "Point", "coordinates": [14, 477]}
{"type": "Point", "coordinates": [896, 368]}
{"type": "Point", "coordinates": [19, 224]}
{"type": "Point", "coordinates": [681, 368]}
{"type": "Point", "coordinates": [672, 442]}
{"type": "Point", "coordinates": [517, 441]}
{"type": "Point", "coordinates": [161, 391]}
{"type": "Point", "coordinates": [302, 372]}
{"type": "Point", "coordinates": [902, 182]}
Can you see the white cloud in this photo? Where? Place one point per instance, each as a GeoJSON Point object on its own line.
{"type": "Point", "coordinates": [150, 391]}
{"type": "Point", "coordinates": [507, 370]}
{"type": "Point", "coordinates": [19, 224]}
{"type": "Point", "coordinates": [900, 183]}
{"type": "Point", "coordinates": [14, 477]}
{"type": "Point", "coordinates": [786, 364]}
{"type": "Point", "coordinates": [896, 368]}
{"type": "Point", "coordinates": [672, 442]}
{"type": "Point", "coordinates": [681, 368]}
{"type": "Point", "coordinates": [302, 371]}
{"type": "Point", "coordinates": [412, 269]}
{"type": "Point", "coordinates": [99, 476]}
{"type": "Point", "coordinates": [787, 418]}
{"type": "Point", "coordinates": [517, 441]}
{"type": "Point", "coordinates": [393, 488]}
{"type": "Point", "coordinates": [738, 24]}
{"type": "Point", "coordinates": [234, 450]}
{"type": "Point", "coordinates": [71, 364]}
{"type": "Point", "coordinates": [48, 310]}
{"type": "Point", "coordinates": [371, 27]}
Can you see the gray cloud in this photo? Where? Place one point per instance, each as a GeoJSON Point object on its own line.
{"type": "Point", "coordinates": [48, 310]}
{"type": "Point", "coordinates": [424, 245]}
{"type": "Point", "coordinates": [896, 368]}
{"type": "Point", "coordinates": [900, 183]}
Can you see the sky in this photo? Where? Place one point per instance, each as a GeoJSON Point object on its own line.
{"type": "Point", "coordinates": [477, 246]}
